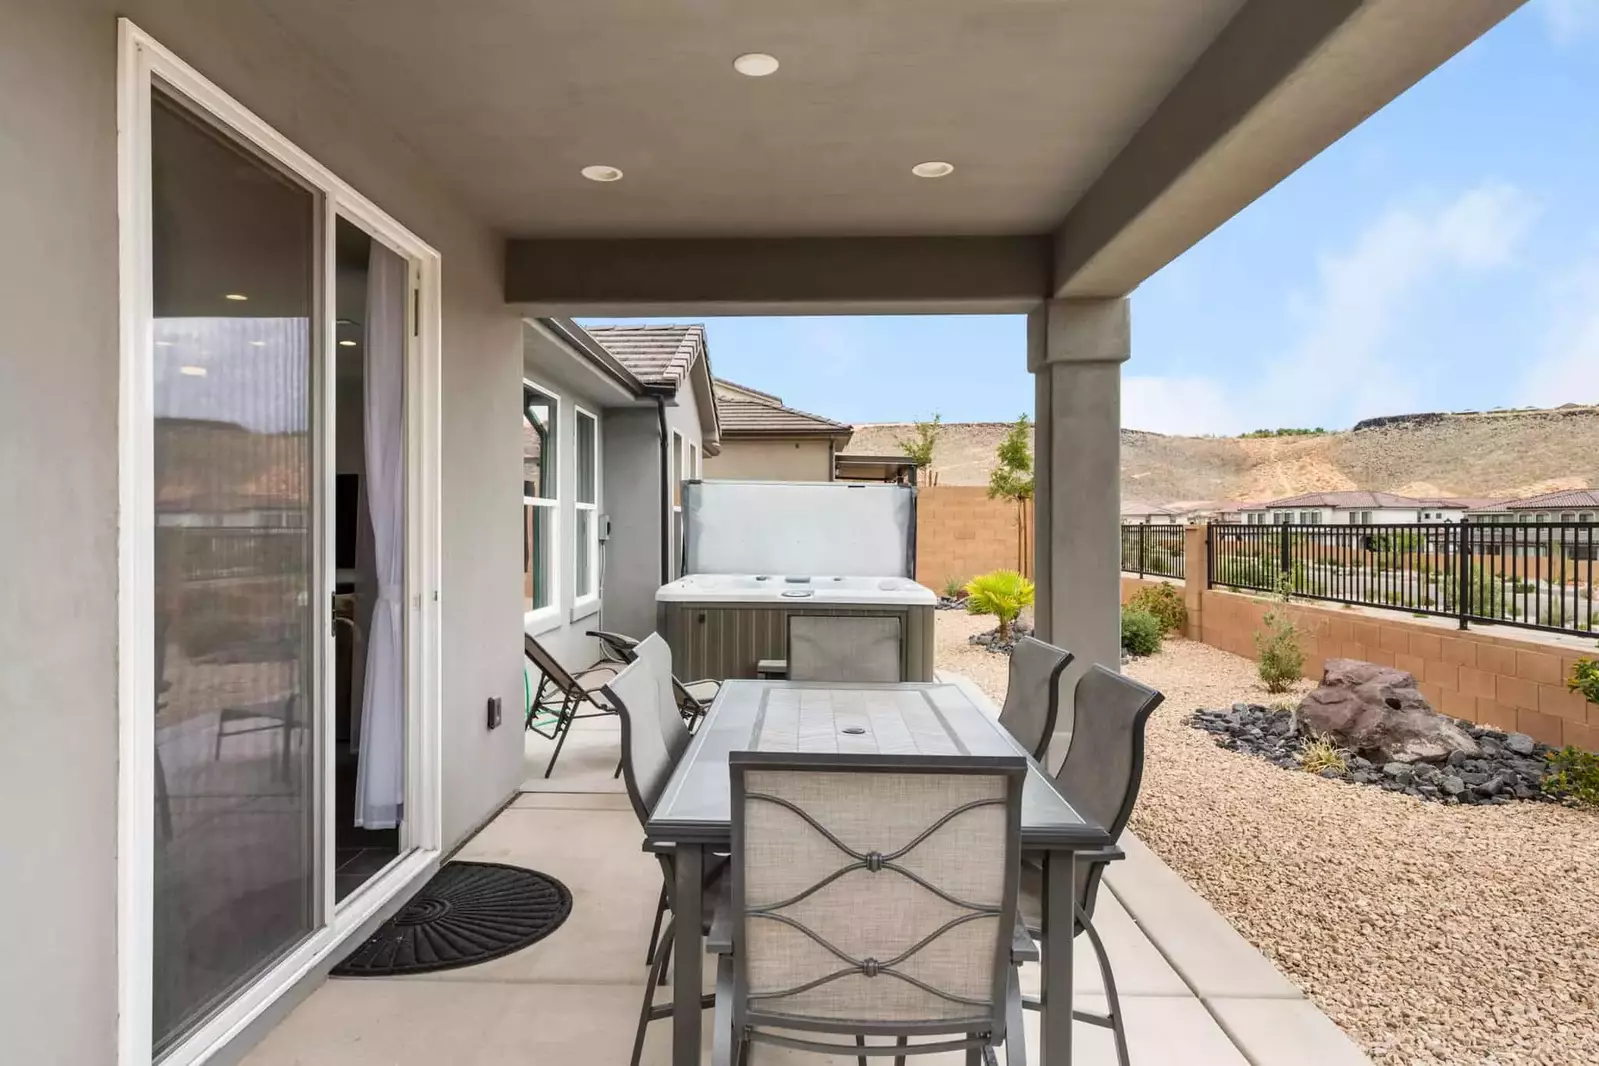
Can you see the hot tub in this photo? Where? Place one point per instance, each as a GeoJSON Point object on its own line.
{"type": "Point", "coordinates": [722, 625]}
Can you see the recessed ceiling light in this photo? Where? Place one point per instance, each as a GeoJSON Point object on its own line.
{"type": "Point", "coordinates": [602, 173]}
{"type": "Point", "coordinates": [933, 169]}
{"type": "Point", "coordinates": [258, 344]}
{"type": "Point", "coordinates": [755, 64]}
{"type": "Point", "coordinates": [346, 344]}
{"type": "Point", "coordinates": [234, 296]}
{"type": "Point", "coordinates": [192, 371]}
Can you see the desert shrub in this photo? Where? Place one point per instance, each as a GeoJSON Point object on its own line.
{"type": "Point", "coordinates": [953, 587]}
{"type": "Point", "coordinates": [1002, 593]}
{"type": "Point", "coordinates": [1164, 602]}
{"type": "Point", "coordinates": [1574, 774]}
{"type": "Point", "coordinates": [1487, 593]}
{"type": "Point", "coordinates": [1322, 754]}
{"type": "Point", "coordinates": [1585, 679]}
{"type": "Point", "coordinates": [1282, 660]}
{"type": "Point", "coordinates": [1247, 571]}
{"type": "Point", "coordinates": [1141, 632]}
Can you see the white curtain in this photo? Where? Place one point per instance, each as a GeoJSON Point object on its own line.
{"type": "Point", "coordinates": [380, 776]}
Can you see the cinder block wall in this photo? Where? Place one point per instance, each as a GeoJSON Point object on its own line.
{"type": "Point", "coordinates": [1505, 682]}
{"type": "Point", "coordinates": [960, 532]}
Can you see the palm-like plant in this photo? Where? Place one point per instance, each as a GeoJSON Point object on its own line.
{"type": "Point", "coordinates": [1003, 594]}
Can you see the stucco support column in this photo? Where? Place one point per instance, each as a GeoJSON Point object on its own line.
{"type": "Point", "coordinates": [1075, 351]}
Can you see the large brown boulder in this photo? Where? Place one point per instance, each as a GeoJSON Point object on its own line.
{"type": "Point", "coordinates": [1377, 712]}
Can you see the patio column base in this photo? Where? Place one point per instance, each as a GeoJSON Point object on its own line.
{"type": "Point", "coordinates": [1075, 351]}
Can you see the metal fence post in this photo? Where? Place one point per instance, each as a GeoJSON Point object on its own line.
{"type": "Point", "coordinates": [1286, 564]}
{"type": "Point", "coordinates": [1463, 599]}
{"type": "Point", "coordinates": [1142, 537]}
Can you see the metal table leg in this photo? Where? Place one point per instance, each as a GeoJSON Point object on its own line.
{"type": "Point", "coordinates": [688, 958]}
{"type": "Point", "coordinates": [1059, 924]}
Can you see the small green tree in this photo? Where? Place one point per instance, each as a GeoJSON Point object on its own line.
{"type": "Point", "coordinates": [1012, 479]}
{"type": "Point", "coordinates": [919, 446]}
{"type": "Point", "coordinates": [1585, 679]}
{"type": "Point", "coordinates": [1003, 594]}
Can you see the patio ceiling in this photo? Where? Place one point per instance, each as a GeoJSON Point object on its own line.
{"type": "Point", "coordinates": [1093, 140]}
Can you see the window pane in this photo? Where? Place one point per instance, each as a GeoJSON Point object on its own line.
{"type": "Point", "coordinates": [538, 544]}
{"type": "Point", "coordinates": [584, 567]}
{"type": "Point", "coordinates": [538, 444]}
{"type": "Point", "coordinates": [236, 837]}
{"type": "Point", "coordinates": [677, 470]}
{"type": "Point", "coordinates": [585, 458]}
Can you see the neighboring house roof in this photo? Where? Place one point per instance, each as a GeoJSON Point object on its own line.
{"type": "Point", "coordinates": [1140, 507]}
{"type": "Point", "coordinates": [1471, 503]}
{"type": "Point", "coordinates": [668, 357]}
{"type": "Point", "coordinates": [746, 412]}
{"type": "Point", "coordinates": [1340, 499]}
{"type": "Point", "coordinates": [658, 355]}
{"type": "Point", "coordinates": [1571, 498]}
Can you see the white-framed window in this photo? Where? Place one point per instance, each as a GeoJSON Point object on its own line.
{"type": "Point", "coordinates": [675, 457]}
{"type": "Point", "coordinates": [541, 500]}
{"type": "Point", "coordinates": [1586, 516]}
{"type": "Point", "coordinates": [585, 507]}
{"type": "Point", "coordinates": [1568, 517]}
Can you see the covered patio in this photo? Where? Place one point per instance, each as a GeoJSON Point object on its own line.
{"type": "Point", "coordinates": [1192, 989]}
{"type": "Point", "coordinates": [532, 162]}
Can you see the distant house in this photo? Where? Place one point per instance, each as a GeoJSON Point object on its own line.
{"type": "Point", "coordinates": [1181, 512]}
{"type": "Point", "coordinates": [762, 440]}
{"type": "Point", "coordinates": [1581, 505]}
{"type": "Point", "coordinates": [1139, 513]}
{"type": "Point", "coordinates": [1357, 508]}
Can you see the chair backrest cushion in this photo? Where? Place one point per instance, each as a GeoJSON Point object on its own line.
{"type": "Point", "coordinates": [876, 889]}
{"type": "Point", "coordinates": [653, 733]}
{"type": "Point", "coordinates": [1105, 763]}
{"type": "Point", "coordinates": [844, 648]}
{"type": "Point", "coordinates": [1032, 699]}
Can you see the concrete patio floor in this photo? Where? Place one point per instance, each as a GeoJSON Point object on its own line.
{"type": "Point", "coordinates": [1193, 991]}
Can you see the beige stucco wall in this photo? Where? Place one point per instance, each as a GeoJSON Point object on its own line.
{"type": "Point", "coordinates": [772, 460]}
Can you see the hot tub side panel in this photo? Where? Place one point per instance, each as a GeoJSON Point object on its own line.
{"type": "Point", "coordinates": [726, 640]}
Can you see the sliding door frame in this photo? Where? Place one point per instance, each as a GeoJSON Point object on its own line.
{"type": "Point", "coordinates": [142, 62]}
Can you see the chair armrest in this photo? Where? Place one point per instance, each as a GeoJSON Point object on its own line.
{"type": "Point", "coordinates": [1110, 854]}
{"type": "Point", "coordinates": [719, 941]}
{"type": "Point", "coordinates": [616, 640]}
{"type": "Point", "coordinates": [1022, 946]}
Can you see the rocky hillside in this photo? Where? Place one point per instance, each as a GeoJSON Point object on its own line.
{"type": "Point", "coordinates": [1499, 453]}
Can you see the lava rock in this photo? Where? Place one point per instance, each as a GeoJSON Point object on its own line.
{"type": "Point", "coordinates": [1521, 743]}
{"type": "Point", "coordinates": [1452, 785]}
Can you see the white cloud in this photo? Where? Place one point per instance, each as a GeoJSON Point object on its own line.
{"type": "Point", "coordinates": [1190, 407]}
{"type": "Point", "coordinates": [1569, 21]}
{"type": "Point", "coordinates": [1339, 369]}
{"type": "Point", "coordinates": [1567, 368]}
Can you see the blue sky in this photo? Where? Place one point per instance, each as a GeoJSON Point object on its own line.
{"type": "Point", "coordinates": [1443, 256]}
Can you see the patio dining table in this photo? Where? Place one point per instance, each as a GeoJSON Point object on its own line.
{"type": "Point", "coordinates": [694, 812]}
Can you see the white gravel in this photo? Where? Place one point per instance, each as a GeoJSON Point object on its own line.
{"type": "Point", "coordinates": [1437, 936]}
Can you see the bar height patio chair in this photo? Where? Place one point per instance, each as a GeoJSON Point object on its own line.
{"type": "Point", "coordinates": [693, 697]}
{"type": "Point", "coordinates": [872, 896]}
{"type": "Point", "coordinates": [654, 736]}
{"type": "Point", "coordinates": [1032, 699]}
{"type": "Point", "coordinates": [844, 648]}
{"type": "Point", "coordinates": [1100, 777]}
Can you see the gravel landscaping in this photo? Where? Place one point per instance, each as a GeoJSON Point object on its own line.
{"type": "Point", "coordinates": [1441, 935]}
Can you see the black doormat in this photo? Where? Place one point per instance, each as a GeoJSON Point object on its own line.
{"type": "Point", "coordinates": [469, 912]}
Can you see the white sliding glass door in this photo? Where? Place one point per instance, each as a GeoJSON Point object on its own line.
{"type": "Point", "coordinates": [278, 591]}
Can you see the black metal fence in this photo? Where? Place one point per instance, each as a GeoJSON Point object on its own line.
{"type": "Point", "coordinates": [1541, 575]}
{"type": "Point", "coordinates": [1154, 550]}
